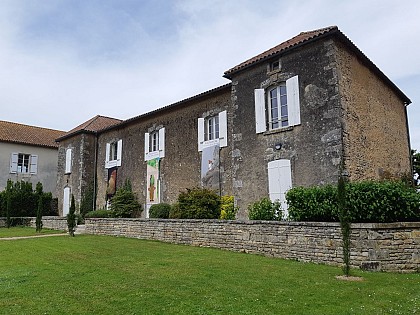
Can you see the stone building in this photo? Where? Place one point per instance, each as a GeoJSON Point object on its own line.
{"type": "Point", "coordinates": [291, 116]}
{"type": "Point", "coordinates": [28, 153]}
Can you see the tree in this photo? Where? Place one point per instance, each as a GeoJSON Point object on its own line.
{"type": "Point", "coordinates": [344, 221]}
{"type": "Point", "coordinates": [415, 156]}
{"type": "Point", "coordinates": [40, 208]}
{"type": "Point", "coordinates": [71, 217]}
{"type": "Point", "coordinates": [124, 204]}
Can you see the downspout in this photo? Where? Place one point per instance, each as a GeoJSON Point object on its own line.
{"type": "Point", "coordinates": [409, 141]}
{"type": "Point", "coordinates": [95, 163]}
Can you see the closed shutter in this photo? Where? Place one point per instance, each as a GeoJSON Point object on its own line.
{"type": "Point", "coordinates": [200, 133]}
{"type": "Point", "coordinates": [66, 201]}
{"type": "Point", "coordinates": [223, 134]}
{"type": "Point", "coordinates": [14, 163]}
{"type": "Point", "coordinates": [260, 119]}
{"type": "Point", "coordinates": [119, 152]}
{"type": "Point", "coordinates": [279, 181]}
{"type": "Point", "coordinates": [108, 149]}
{"type": "Point", "coordinates": [293, 103]}
{"type": "Point", "coordinates": [146, 145]}
{"type": "Point", "coordinates": [33, 168]}
{"type": "Point", "coordinates": [162, 142]}
{"type": "Point", "coordinates": [68, 161]}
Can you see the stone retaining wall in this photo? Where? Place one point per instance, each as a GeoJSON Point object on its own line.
{"type": "Point", "coordinates": [382, 247]}
{"type": "Point", "coordinates": [50, 222]}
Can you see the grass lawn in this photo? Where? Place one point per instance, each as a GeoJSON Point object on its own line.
{"type": "Point", "coordinates": [17, 231]}
{"type": "Point", "coordinates": [108, 275]}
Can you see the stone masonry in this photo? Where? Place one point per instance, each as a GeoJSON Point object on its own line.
{"type": "Point", "coordinates": [381, 247]}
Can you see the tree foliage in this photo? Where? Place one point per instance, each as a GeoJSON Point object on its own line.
{"type": "Point", "coordinates": [265, 209]}
{"type": "Point", "coordinates": [71, 217]}
{"type": "Point", "coordinates": [39, 211]}
{"type": "Point", "coordinates": [196, 203]}
{"type": "Point", "coordinates": [124, 204]}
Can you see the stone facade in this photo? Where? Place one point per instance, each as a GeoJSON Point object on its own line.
{"type": "Point", "coordinates": [349, 113]}
{"type": "Point", "coordinates": [381, 247]}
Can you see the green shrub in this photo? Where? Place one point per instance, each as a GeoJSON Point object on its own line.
{"type": "Point", "coordinates": [124, 203]}
{"type": "Point", "coordinates": [367, 201]}
{"type": "Point", "coordinates": [227, 208]}
{"type": "Point", "coordinates": [265, 209]}
{"type": "Point", "coordinates": [102, 213]}
{"type": "Point", "coordinates": [313, 204]}
{"type": "Point", "coordinates": [197, 203]}
{"type": "Point", "coordinates": [160, 210]}
{"type": "Point", "coordinates": [175, 212]}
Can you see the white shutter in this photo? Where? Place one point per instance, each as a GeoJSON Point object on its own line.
{"type": "Point", "coordinates": [14, 163]}
{"type": "Point", "coordinates": [68, 161]}
{"type": "Point", "coordinates": [279, 181]}
{"type": "Point", "coordinates": [162, 142]}
{"type": "Point", "coordinates": [200, 133]}
{"type": "Point", "coordinates": [66, 201]}
{"type": "Point", "coordinates": [119, 152]}
{"type": "Point", "coordinates": [260, 120]}
{"type": "Point", "coordinates": [293, 103]}
{"type": "Point", "coordinates": [223, 129]}
{"type": "Point", "coordinates": [33, 168]}
{"type": "Point", "coordinates": [108, 149]}
{"type": "Point", "coordinates": [146, 145]}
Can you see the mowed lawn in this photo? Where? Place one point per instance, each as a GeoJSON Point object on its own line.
{"type": "Point", "coordinates": [109, 275]}
{"type": "Point", "coordinates": [23, 231]}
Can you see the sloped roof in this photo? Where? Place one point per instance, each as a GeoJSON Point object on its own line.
{"type": "Point", "coordinates": [93, 125]}
{"type": "Point", "coordinates": [31, 135]}
{"type": "Point", "coordinates": [298, 39]}
{"type": "Point", "coordinates": [307, 37]}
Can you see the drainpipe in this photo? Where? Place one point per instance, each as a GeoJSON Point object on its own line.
{"type": "Point", "coordinates": [95, 163]}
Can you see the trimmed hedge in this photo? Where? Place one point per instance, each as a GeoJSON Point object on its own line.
{"type": "Point", "coordinates": [367, 201]}
{"type": "Point", "coordinates": [196, 203]}
{"type": "Point", "coordinates": [160, 211]}
{"type": "Point", "coordinates": [98, 214]}
{"type": "Point", "coordinates": [265, 209]}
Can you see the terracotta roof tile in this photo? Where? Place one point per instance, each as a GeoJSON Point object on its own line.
{"type": "Point", "coordinates": [93, 125]}
{"type": "Point", "coordinates": [298, 39]}
{"type": "Point", "coordinates": [24, 134]}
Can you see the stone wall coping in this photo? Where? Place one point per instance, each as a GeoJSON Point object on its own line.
{"type": "Point", "coordinates": [394, 225]}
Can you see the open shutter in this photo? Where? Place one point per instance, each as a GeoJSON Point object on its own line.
{"type": "Point", "coordinates": [108, 149]}
{"type": "Point", "coordinates": [279, 181]}
{"type": "Point", "coordinates": [146, 145]}
{"type": "Point", "coordinates": [119, 152]}
{"type": "Point", "coordinates": [162, 142]}
{"type": "Point", "coordinates": [68, 161]}
{"type": "Point", "coordinates": [293, 104]}
{"type": "Point", "coordinates": [14, 163]}
{"type": "Point", "coordinates": [33, 168]}
{"type": "Point", "coordinates": [260, 120]}
{"type": "Point", "coordinates": [223, 129]}
{"type": "Point", "coordinates": [200, 133]}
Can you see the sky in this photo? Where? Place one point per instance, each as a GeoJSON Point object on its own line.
{"type": "Point", "coordinates": [65, 61]}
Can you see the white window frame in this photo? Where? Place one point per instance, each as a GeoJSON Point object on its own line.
{"type": "Point", "coordinates": [156, 149]}
{"type": "Point", "coordinates": [209, 136]}
{"type": "Point", "coordinates": [68, 161]}
{"type": "Point", "coordinates": [112, 157]}
{"type": "Point", "coordinates": [23, 163]}
{"type": "Point", "coordinates": [264, 120]}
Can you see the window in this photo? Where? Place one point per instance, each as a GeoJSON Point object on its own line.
{"type": "Point", "coordinates": [154, 141]}
{"type": "Point", "coordinates": [275, 65]}
{"type": "Point", "coordinates": [154, 144]}
{"type": "Point", "coordinates": [212, 130]}
{"type": "Point", "coordinates": [68, 161]}
{"type": "Point", "coordinates": [23, 163]}
{"type": "Point", "coordinates": [277, 107]}
{"type": "Point", "coordinates": [277, 102]}
{"type": "Point", "coordinates": [113, 154]}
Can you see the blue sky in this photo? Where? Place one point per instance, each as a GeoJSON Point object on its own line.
{"type": "Point", "coordinates": [64, 61]}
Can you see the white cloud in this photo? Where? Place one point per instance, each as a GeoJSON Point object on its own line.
{"type": "Point", "coordinates": [76, 59]}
